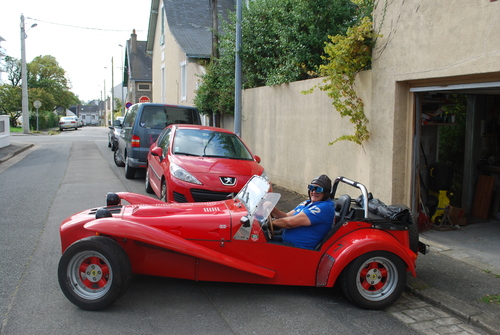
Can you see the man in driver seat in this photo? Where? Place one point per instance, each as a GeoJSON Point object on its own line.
{"type": "Point", "coordinates": [307, 224]}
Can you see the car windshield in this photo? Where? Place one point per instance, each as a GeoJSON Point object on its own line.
{"type": "Point", "coordinates": [209, 143]}
{"type": "Point", "coordinates": [258, 201]}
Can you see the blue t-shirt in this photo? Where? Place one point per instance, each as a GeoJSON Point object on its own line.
{"type": "Point", "coordinates": [321, 215]}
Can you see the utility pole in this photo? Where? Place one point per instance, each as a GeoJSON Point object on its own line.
{"type": "Point", "coordinates": [237, 79]}
{"type": "Point", "coordinates": [112, 91]}
{"type": "Point", "coordinates": [24, 81]}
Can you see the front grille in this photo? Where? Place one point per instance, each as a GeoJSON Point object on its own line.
{"type": "Point", "coordinates": [179, 197]}
{"type": "Point", "coordinates": [207, 196]}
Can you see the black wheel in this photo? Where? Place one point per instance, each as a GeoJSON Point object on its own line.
{"type": "Point", "coordinates": [94, 272]}
{"type": "Point", "coordinates": [374, 280]}
{"type": "Point", "coordinates": [147, 183]}
{"type": "Point", "coordinates": [129, 171]}
{"type": "Point", "coordinates": [412, 229]}
{"type": "Point", "coordinates": [163, 196]}
{"type": "Point", "coordinates": [117, 159]}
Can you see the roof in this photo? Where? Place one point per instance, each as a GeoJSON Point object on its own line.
{"type": "Point", "coordinates": [139, 62]}
{"type": "Point", "coordinates": [190, 22]}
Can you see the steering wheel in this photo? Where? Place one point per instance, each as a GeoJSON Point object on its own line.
{"type": "Point", "coordinates": [268, 226]}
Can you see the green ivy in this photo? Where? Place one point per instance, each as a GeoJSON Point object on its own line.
{"type": "Point", "coordinates": [347, 55]}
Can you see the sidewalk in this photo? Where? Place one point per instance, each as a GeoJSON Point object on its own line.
{"type": "Point", "coordinates": [13, 149]}
{"type": "Point", "coordinates": [453, 276]}
{"type": "Point", "coordinates": [459, 270]}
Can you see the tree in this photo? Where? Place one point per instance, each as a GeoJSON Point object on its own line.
{"type": "Point", "coordinates": [47, 82]}
{"type": "Point", "coordinates": [282, 41]}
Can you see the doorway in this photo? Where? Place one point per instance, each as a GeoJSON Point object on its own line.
{"type": "Point", "coordinates": [457, 150]}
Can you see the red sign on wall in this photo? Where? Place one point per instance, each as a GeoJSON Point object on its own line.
{"type": "Point", "coordinates": [144, 99]}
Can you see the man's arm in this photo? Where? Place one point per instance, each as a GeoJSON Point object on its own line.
{"type": "Point", "coordinates": [298, 220]}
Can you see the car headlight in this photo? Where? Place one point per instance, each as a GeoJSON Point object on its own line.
{"type": "Point", "coordinates": [264, 175]}
{"type": "Point", "coordinates": [182, 174]}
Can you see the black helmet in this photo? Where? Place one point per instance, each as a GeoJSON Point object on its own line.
{"type": "Point", "coordinates": [324, 182]}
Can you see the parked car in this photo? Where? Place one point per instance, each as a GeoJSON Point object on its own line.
{"type": "Point", "coordinates": [191, 163]}
{"type": "Point", "coordinates": [141, 126]}
{"type": "Point", "coordinates": [114, 132]}
{"type": "Point", "coordinates": [79, 122]}
{"type": "Point", "coordinates": [67, 122]}
{"type": "Point", "coordinates": [232, 241]}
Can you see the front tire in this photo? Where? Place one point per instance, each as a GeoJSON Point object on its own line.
{"type": "Point", "coordinates": [147, 183]}
{"type": "Point", "coordinates": [374, 280]}
{"type": "Point", "coordinates": [94, 272]}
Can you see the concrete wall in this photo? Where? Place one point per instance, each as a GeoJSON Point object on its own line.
{"type": "Point", "coordinates": [424, 43]}
{"type": "Point", "coordinates": [290, 131]}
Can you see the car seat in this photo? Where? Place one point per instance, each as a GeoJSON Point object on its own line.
{"type": "Point", "coordinates": [342, 208]}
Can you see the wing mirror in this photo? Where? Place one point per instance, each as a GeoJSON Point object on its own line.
{"type": "Point", "coordinates": [257, 158]}
{"type": "Point", "coordinates": [157, 151]}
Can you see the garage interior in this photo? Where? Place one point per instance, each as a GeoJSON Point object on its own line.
{"type": "Point", "coordinates": [456, 154]}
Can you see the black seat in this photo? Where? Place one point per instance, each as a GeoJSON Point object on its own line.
{"type": "Point", "coordinates": [342, 208]}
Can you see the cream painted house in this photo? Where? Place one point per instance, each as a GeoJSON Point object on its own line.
{"type": "Point", "coordinates": [180, 42]}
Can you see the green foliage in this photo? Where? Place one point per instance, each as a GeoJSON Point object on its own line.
{"type": "Point", "coordinates": [282, 41]}
{"type": "Point", "coordinates": [347, 56]}
{"type": "Point", "coordinates": [46, 82]}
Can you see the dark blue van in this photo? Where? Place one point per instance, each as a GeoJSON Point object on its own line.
{"type": "Point", "coordinates": [141, 126]}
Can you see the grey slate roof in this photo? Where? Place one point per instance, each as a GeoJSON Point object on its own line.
{"type": "Point", "coordinates": [140, 64]}
{"type": "Point", "coordinates": [190, 22]}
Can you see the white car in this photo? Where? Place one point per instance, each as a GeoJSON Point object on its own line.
{"type": "Point", "coordinates": [67, 122]}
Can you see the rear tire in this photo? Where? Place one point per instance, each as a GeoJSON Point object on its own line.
{"type": "Point", "coordinates": [374, 280]}
{"type": "Point", "coordinates": [129, 171]}
{"type": "Point", "coordinates": [117, 159]}
{"type": "Point", "coordinates": [94, 272]}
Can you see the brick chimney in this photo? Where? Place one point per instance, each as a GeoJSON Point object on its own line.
{"type": "Point", "coordinates": [133, 41]}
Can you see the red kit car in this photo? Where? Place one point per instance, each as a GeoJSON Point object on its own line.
{"type": "Point", "coordinates": [368, 254]}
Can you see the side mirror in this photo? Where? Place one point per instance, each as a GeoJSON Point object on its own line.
{"type": "Point", "coordinates": [257, 158]}
{"type": "Point", "coordinates": [157, 151]}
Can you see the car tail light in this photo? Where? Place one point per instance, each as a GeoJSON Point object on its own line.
{"type": "Point", "coordinates": [136, 141]}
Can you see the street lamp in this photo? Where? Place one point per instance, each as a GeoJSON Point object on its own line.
{"type": "Point", "coordinates": [123, 78]}
{"type": "Point", "coordinates": [24, 79]}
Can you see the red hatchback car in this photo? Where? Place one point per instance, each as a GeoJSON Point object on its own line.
{"type": "Point", "coordinates": [192, 163]}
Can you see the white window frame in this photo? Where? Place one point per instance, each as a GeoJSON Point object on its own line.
{"type": "Point", "coordinates": [183, 92]}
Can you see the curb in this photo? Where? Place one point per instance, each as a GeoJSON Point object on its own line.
{"type": "Point", "coordinates": [16, 152]}
{"type": "Point", "coordinates": [453, 306]}
{"type": "Point", "coordinates": [449, 304]}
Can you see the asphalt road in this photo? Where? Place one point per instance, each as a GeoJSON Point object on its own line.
{"type": "Point", "coordinates": [72, 171]}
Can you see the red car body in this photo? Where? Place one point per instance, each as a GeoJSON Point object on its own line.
{"type": "Point", "coordinates": [226, 241]}
{"type": "Point", "coordinates": [218, 173]}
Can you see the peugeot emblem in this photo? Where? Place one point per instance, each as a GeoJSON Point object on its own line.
{"type": "Point", "coordinates": [228, 181]}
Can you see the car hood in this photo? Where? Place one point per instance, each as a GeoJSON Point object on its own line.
{"type": "Point", "coordinates": [210, 165]}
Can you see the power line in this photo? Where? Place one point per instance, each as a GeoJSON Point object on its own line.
{"type": "Point", "coordinates": [79, 27]}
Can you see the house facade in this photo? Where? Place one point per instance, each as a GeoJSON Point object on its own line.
{"type": "Point", "coordinates": [137, 73]}
{"type": "Point", "coordinates": [180, 43]}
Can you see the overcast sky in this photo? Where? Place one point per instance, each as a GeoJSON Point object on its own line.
{"type": "Point", "coordinates": [83, 36]}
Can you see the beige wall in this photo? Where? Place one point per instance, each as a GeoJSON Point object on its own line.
{"type": "Point", "coordinates": [424, 43]}
{"type": "Point", "coordinates": [290, 131]}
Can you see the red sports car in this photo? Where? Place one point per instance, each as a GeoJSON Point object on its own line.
{"type": "Point", "coordinates": [231, 241]}
{"type": "Point", "coordinates": [190, 163]}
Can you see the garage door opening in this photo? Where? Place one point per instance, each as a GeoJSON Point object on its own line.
{"type": "Point", "coordinates": [457, 150]}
